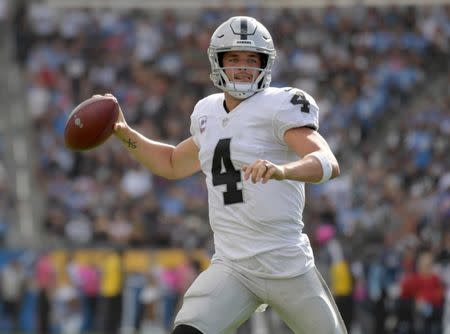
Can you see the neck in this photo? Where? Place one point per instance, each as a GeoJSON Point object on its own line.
{"type": "Point", "coordinates": [231, 102]}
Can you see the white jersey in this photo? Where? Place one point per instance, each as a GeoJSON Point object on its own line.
{"type": "Point", "coordinates": [255, 223]}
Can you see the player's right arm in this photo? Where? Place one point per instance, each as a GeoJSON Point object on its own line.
{"type": "Point", "coordinates": [171, 162]}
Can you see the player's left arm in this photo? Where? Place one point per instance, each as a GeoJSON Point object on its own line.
{"type": "Point", "coordinates": [317, 164]}
{"type": "Point", "coordinates": [316, 153]}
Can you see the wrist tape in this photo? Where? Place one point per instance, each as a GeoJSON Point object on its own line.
{"type": "Point", "coordinates": [325, 162]}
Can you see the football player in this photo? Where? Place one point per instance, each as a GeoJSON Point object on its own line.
{"type": "Point", "coordinates": [257, 147]}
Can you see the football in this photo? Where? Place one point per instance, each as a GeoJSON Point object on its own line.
{"type": "Point", "coordinates": [91, 123]}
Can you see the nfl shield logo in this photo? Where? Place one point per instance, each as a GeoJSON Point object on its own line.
{"type": "Point", "coordinates": [202, 123]}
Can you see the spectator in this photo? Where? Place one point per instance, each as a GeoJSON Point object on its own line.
{"type": "Point", "coordinates": [85, 278]}
{"type": "Point", "coordinates": [423, 291]}
{"type": "Point", "coordinates": [45, 279]}
{"type": "Point", "coordinates": [443, 262]}
{"type": "Point", "coordinates": [12, 289]}
{"type": "Point", "coordinates": [150, 298]}
{"type": "Point", "coordinates": [67, 311]}
{"type": "Point", "coordinates": [339, 276]}
{"type": "Point", "coordinates": [110, 307]}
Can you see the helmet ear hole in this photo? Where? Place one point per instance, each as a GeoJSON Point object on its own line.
{"type": "Point", "coordinates": [220, 58]}
{"type": "Point", "coordinates": [260, 83]}
{"type": "Point", "coordinates": [264, 59]}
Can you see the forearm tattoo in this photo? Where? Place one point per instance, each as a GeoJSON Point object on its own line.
{"type": "Point", "coordinates": [131, 144]}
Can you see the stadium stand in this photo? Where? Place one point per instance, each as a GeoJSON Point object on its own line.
{"type": "Point", "coordinates": [380, 76]}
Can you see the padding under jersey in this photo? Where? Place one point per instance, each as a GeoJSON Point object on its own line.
{"type": "Point", "coordinates": [254, 219]}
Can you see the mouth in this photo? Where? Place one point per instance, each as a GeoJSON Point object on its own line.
{"type": "Point", "coordinates": [243, 78]}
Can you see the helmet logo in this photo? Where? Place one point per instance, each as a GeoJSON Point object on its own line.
{"type": "Point", "coordinates": [244, 42]}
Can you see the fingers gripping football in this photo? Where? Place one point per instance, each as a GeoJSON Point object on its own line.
{"type": "Point", "coordinates": [121, 125]}
{"type": "Point", "coordinates": [262, 171]}
{"type": "Point", "coordinates": [120, 128]}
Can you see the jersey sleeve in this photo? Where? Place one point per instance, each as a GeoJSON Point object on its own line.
{"type": "Point", "coordinates": [195, 127]}
{"type": "Point", "coordinates": [297, 109]}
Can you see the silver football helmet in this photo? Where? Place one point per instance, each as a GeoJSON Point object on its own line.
{"type": "Point", "coordinates": [241, 33]}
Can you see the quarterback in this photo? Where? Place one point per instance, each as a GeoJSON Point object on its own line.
{"type": "Point", "coordinates": [257, 147]}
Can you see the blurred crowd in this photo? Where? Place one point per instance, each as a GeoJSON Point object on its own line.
{"type": "Point", "coordinates": [380, 231]}
{"type": "Point", "coordinates": [59, 292]}
{"type": "Point", "coordinates": [6, 198]}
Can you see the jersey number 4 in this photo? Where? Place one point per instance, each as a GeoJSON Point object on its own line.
{"type": "Point", "coordinates": [299, 98]}
{"type": "Point", "coordinates": [229, 176]}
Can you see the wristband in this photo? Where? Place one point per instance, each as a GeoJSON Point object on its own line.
{"type": "Point", "coordinates": [325, 162]}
